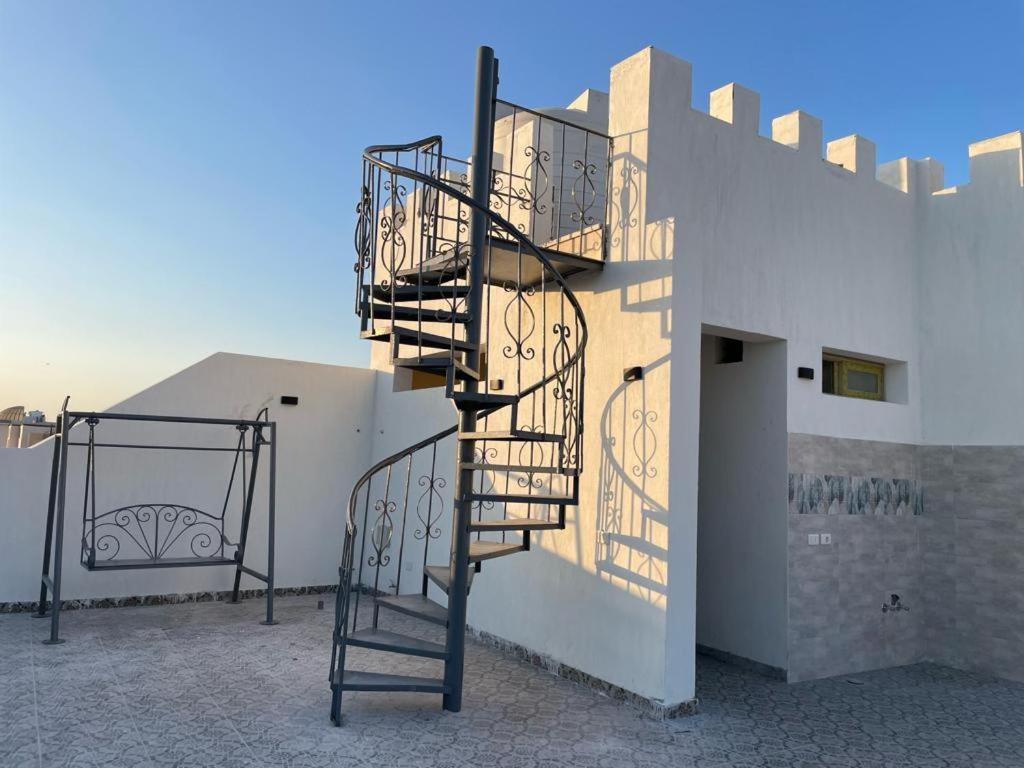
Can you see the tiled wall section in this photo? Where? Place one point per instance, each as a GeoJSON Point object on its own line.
{"type": "Point", "coordinates": [836, 591]}
{"type": "Point", "coordinates": [958, 565]}
{"type": "Point", "coordinates": [972, 539]}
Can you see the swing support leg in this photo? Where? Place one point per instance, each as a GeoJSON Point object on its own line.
{"type": "Point", "coordinates": [41, 612]}
{"type": "Point", "coordinates": [257, 440]}
{"type": "Point", "coordinates": [272, 498]}
{"type": "Point", "coordinates": [58, 548]}
{"type": "Point", "coordinates": [250, 492]}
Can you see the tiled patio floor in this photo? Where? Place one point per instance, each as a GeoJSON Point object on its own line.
{"type": "Point", "coordinates": [205, 684]}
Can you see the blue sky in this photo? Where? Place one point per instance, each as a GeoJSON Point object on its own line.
{"type": "Point", "coordinates": [178, 178]}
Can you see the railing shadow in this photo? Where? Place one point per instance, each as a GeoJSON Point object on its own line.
{"type": "Point", "coordinates": [632, 520]}
{"type": "Point", "coordinates": [640, 250]}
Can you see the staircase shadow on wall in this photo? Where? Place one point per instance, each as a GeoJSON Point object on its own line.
{"type": "Point", "coordinates": [631, 531]}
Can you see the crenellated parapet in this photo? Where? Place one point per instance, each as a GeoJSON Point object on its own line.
{"type": "Point", "coordinates": [654, 84]}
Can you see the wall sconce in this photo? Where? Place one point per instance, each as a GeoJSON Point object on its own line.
{"type": "Point", "coordinates": [636, 373]}
{"type": "Point", "coordinates": [805, 373]}
{"type": "Point", "coordinates": [289, 399]}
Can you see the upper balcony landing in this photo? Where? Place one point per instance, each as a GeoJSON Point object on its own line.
{"type": "Point", "coordinates": [549, 180]}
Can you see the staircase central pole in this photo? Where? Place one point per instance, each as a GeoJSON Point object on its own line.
{"type": "Point", "coordinates": [480, 183]}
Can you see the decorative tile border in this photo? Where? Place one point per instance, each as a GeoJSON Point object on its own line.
{"type": "Point", "coordinates": [651, 707]}
{"type": "Point", "coordinates": [818, 494]}
{"type": "Point", "coordinates": [169, 599]}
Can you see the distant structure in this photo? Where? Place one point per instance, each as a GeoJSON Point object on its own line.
{"type": "Point", "coordinates": [21, 429]}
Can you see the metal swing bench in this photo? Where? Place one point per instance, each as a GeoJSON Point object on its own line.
{"type": "Point", "coordinates": [155, 535]}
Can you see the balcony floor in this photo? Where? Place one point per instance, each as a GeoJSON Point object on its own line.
{"type": "Point", "coordinates": [205, 684]}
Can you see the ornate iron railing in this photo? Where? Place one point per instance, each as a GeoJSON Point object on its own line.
{"type": "Point", "coordinates": [549, 178]}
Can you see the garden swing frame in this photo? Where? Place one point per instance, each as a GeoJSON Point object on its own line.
{"type": "Point", "coordinates": [202, 531]}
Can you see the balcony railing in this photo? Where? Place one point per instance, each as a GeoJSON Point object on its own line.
{"type": "Point", "coordinates": [550, 180]}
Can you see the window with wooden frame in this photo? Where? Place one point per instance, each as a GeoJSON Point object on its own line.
{"type": "Point", "coordinates": [850, 377]}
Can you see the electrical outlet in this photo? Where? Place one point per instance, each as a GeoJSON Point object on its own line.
{"type": "Point", "coordinates": [813, 539]}
{"type": "Point", "coordinates": [826, 538]}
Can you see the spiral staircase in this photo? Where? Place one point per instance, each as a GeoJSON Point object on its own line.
{"type": "Point", "coordinates": [451, 278]}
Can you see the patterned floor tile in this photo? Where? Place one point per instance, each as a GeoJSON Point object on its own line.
{"type": "Point", "coordinates": [204, 684]}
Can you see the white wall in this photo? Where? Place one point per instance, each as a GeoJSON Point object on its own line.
{"type": "Point", "coordinates": [972, 303]}
{"type": "Point", "coordinates": [324, 444]}
{"type": "Point", "coordinates": [771, 236]}
{"type": "Point", "coordinates": [776, 237]}
{"type": "Point", "coordinates": [795, 247]}
{"type": "Point", "coordinates": [742, 512]}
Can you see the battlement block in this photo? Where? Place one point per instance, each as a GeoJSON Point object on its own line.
{"type": "Point", "coordinates": [594, 103]}
{"type": "Point", "coordinates": [800, 131]}
{"type": "Point", "coordinates": [998, 161]}
{"type": "Point", "coordinates": [854, 153]}
{"type": "Point", "coordinates": [898, 174]}
{"type": "Point", "coordinates": [737, 105]}
{"type": "Point", "coordinates": [931, 175]}
{"type": "Point", "coordinates": [912, 176]}
{"type": "Point", "coordinates": [649, 79]}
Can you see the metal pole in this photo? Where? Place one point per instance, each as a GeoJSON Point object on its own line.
{"type": "Point", "coordinates": [58, 549]}
{"type": "Point", "coordinates": [272, 493]}
{"type": "Point", "coordinates": [243, 535]}
{"type": "Point", "coordinates": [51, 503]}
{"type": "Point", "coordinates": [483, 144]}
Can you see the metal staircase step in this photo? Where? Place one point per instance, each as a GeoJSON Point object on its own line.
{"type": "Point", "coordinates": [419, 292]}
{"type": "Point", "coordinates": [488, 550]}
{"type": "Point", "coordinates": [471, 401]}
{"type": "Point", "coordinates": [441, 575]}
{"type": "Point", "coordinates": [438, 363]}
{"type": "Point", "coordinates": [412, 314]}
{"type": "Point", "coordinates": [382, 640]}
{"type": "Point", "coordinates": [416, 605]}
{"type": "Point", "coordinates": [522, 498]}
{"type": "Point", "coordinates": [515, 524]}
{"type": "Point", "coordinates": [435, 271]}
{"type": "Point", "coordinates": [504, 265]}
{"type": "Point", "coordinates": [413, 337]}
{"type": "Point", "coordinates": [376, 681]}
{"type": "Point", "coordinates": [520, 469]}
{"type": "Point", "coordinates": [505, 435]}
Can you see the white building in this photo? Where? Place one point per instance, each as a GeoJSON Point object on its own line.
{"type": "Point", "coordinates": [726, 500]}
{"type": "Point", "coordinates": [20, 428]}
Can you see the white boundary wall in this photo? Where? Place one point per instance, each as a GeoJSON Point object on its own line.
{"type": "Point", "coordinates": [324, 445]}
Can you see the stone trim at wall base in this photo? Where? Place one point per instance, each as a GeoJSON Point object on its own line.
{"type": "Point", "coordinates": [168, 599]}
{"type": "Point", "coordinates": [742, 662]}
{"type": "Point", "coordinates": [650, 707]}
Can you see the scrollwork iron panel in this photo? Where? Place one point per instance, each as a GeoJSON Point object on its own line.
{"type": "Point", "coordinates": [153, 532]}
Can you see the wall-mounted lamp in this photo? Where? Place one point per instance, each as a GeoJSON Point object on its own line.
{"type": "Point", "coordinates": [728, 350]}
{"type": "Point", "coordinates": [289, 399]}
{"type": "Point", "coordinates": [636, 373]}
{"type": "Point", "coordinates": [805, 373]}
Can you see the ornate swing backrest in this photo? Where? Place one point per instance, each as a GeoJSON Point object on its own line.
{"type": "Point", "coordinates": [154, 532]}
{"type": "Point", "coordinates": [164, 534]}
